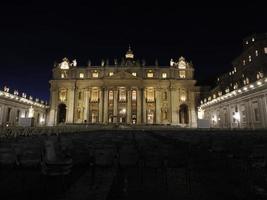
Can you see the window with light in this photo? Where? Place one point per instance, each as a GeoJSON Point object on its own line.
{"type": "Point", "coordinates": [110, 95]}
{"type": "Point", "coordinates": [150, 75]}
{"type": "Point", "coordinates": [150, 95]}
{"type": "Point", "coordinates": [134, 95]}
{"type": "Point", "coordinates": [81, 75]}
{"type": "Point", "coordinates": [122, 94]}
{"type": "Point", "coordinates": [111, 73]}
{"type": "Point", "coordinates": [95, 74]}
{"type": "Point", "coordinates": [134, 73]}
{"type": "Point", "coordinates": [182, 74]}
{"type": "Point", "coordinates": [94, 96]}
{"type": "Point", "coordinates": [164, 75]}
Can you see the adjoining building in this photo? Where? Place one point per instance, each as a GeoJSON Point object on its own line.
{"type": "Point", "coordinates": [20, 110]}
{"type": "Point", "coordinates": [240, 98]}
{"type": "Point", "coordinates": [127, 91]}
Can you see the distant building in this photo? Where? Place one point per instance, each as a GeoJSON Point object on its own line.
{"type": "Point", "coordinates": [240, 98]}
{"type": "Point", "coordinates": [21, 110]}
{"type": "Point", "coordinates": [127, 92]}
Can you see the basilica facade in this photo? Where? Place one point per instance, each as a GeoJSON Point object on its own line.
{"type": "Point", "coordinates": [126, 91]}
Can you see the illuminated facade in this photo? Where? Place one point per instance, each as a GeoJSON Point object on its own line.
{"type": "Point", "coordinates": [240, 98]}
{"type": "Point", "coordinates": [127, 92]}
{"type": "Point", "coordinates": [15, 109]}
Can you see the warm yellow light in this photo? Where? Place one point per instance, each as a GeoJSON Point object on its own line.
{"type": "Point", "coordinates": [95, 74]}
{"type": "Point", "coordinates": [64, 65]}
{"type": "Point", "coordinates": [182, 74]}
{"type": "Point", "coordinates": [150, 75]}
{"type": "Point", "coordinates": [183, 98]}
{"type": "Point", "coordinates": [81, 75]}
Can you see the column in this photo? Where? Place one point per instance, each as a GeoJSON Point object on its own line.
{"type": "Point", "coordinates": [174, 106]}
{"type": "Point", "coordinates": [169, 105]}
{"type": "Point", "coordinates": [262, 111]}
{"type": "Point", "coordinates": [53, 107]}
{"type": "Point", "coordinates": [115, 110]}
{"type": "Point", "coordinates": [86, 105]}
{"type": "Point", "coordinates": [193, 111]}
{"type": "Point", "coordinates": [143, 91]}
{"type": "Point", "coordinates": [139, 106]}
{"type": "Point", "coordinates": [106, 106]}
{"type": "Point", "coordinates": [129, 106]}
{"type": "Point", "coordinates": [100, 108]}
{"type": "Point", "coordinates": [250, 115]}
{"type": "Point", "coordinates": [158, 106]}
{"type": "Point", "coordinates": [70, 106]}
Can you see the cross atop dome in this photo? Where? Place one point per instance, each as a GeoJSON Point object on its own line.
{"type": "Point", "coordinates": [129, 54]}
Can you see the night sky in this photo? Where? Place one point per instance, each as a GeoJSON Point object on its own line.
{"type": "Point", "coordinates": [33, 36]}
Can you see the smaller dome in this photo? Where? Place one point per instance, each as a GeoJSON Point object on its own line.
{"type": "Point", "coordinates": [129, 54]}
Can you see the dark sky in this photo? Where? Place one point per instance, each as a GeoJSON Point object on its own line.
{"type": "Point", "coordinates": [33, 36]}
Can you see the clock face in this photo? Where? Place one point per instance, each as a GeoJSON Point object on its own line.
{"type": "Point", "coordinates": [64, 65]}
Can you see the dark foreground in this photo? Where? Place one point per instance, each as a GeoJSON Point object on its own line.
{"type": "Point", "coordinates": [132, 164]}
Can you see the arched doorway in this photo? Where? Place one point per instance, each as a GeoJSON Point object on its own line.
{"type": "Point", "coordinates": [61, 116]}
{"type": "Point", "coordinates": [183, 114]}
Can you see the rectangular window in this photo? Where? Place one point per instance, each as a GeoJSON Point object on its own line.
{"type": "Point", "coordinates": [150, 95]}
{"type": "Point", "coordinates": [150, 75]}
{"type": "Point", "coordinates": [164, 75]}
{"type": "Point", "coordinates": [81, 75]}
{"type": "Point", "coordinates": [110, 95]}
{"type": "Point", "coordinates": [256, 53]}
{"type": "Point", "coordinates": [134, 73]}
{"type": "Point", "coordinates": [182, 74]}
{"type": "Point", "coordinates": [249, 58]}
{"type": "Point", "coordinates": [122, 94]}
{"type": "Point", "coordinates": [111, 73]}
{"type": "Point", "coordinates": [244, 62]}
{"type": "Point", "coordinates": [134, 95]}
{"type": "Point", "coordinates": [95, 74]}
{"type": "Point", "coordinates": [62, 75]}
{"type": "Point", "coordinates": [265, 50]}
{"type": "Point", "coordinates": [94, 96]}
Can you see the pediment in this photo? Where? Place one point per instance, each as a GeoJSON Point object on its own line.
{"type": "Point", "coordinates": [122, 75]}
